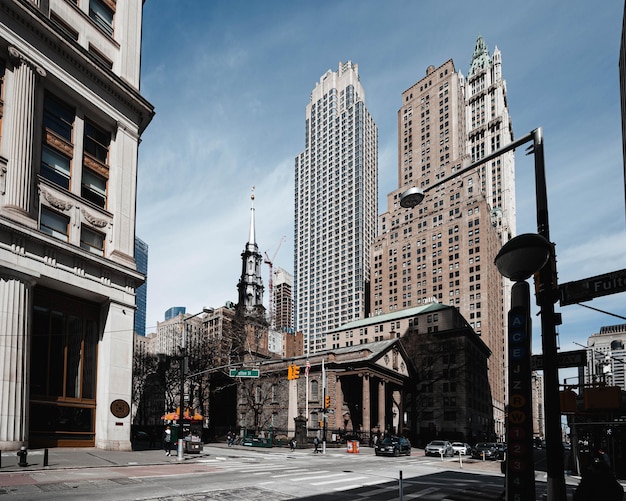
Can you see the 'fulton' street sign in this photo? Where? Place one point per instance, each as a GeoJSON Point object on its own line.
{"type": "Point", "coordinates": [587, 289]}
{"type": "Point", "coordinates": [244, 372]}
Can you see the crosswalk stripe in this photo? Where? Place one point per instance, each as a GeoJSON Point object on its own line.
{"type": "Point", "coordinates": [343, 479]}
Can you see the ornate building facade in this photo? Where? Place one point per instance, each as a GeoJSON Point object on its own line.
{"type": "Point", "coordinates": [71, 117]}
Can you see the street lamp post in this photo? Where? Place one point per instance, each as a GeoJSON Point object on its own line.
{"type": "Point", "coordinates": [183, 364]}
{"type": "Point", "coordinates": [546, 296]}
{"type": "Point", "coordinates": [519, 259]}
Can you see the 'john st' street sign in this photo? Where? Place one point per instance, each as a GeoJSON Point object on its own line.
{"type": "Point", "coordinates": [588, 288]}
{"type": "Point", "coordinates": [244, 373]}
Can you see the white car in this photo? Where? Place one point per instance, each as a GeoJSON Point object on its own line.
{"type": "Point", "coordinates": [439, 448]}
{"type": "Point", "coordinates": [461, 448]}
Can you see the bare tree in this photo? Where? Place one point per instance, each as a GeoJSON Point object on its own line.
{"type": "Point", "coordinates": [259, 399]}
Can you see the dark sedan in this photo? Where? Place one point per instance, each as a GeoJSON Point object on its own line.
{"type": "Point", "coordinates": [485, 450]}
{"type": "Point", "coordinates": [393, 446]}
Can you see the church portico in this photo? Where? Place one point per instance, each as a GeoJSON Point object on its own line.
{"type": "Point", "coordinates": [364, 384]}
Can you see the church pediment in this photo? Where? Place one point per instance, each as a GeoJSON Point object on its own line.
{"type": "Point", "coordinates": [394, 360]}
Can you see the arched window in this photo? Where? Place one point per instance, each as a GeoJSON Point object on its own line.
{"type": "Point", "coordinates": [314, 390]}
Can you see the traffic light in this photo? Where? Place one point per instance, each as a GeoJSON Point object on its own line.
{"type": "Point", "coordinates": [290, 372]}
{"type": "Point", "coordinates": [326, 402]}
{"type": "Point", "coordinates": [296, 372]}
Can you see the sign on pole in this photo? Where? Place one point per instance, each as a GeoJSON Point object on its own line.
{"type": "Point", "coordinates": [576, 358]}
{"type": "Point", "coordinates": [244, 373]}
{"type": "Point", "coordinates": [588, 288]}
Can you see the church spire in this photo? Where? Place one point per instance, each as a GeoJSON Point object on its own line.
{"type": "Point", "coordinates": [252, 237]}
{"type": "Point", "coordinates": [250, 286]}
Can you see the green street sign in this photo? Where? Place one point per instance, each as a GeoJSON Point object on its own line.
{"type": "Point", "coordinates": [244, 372]}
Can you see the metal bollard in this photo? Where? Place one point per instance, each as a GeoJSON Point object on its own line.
{"type": "Point", "coordinates": [23, 455]}
{"type": "Point", "coordinates": [45, 457]}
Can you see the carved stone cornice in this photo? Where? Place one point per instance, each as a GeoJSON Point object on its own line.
{"type": "Point", "coordinates": [57, 203]}
{"type": "Point", "coordinates": [98, 223]}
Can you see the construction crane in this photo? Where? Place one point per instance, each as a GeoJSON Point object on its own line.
{"type": "Point", "coordinates": [270, 262]}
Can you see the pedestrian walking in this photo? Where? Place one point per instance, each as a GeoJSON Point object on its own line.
{"type": "Point", "coordinates": [167, 441]}
{"type": "Point", "coordinates": [598, 482]}
{"type": "Point", "coordinates": [292, 444]}
{"type": "Point", "coordinates": [316, 443]}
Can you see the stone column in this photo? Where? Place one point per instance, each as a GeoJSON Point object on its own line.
{"type": "Point", "coordinates": [381, 405]}
{"type": "Point", "coordinates": [20, 168]}
{"type": "Point", "coordinates": [338, 403]}
{"type": "Point", "coordinates": [397, 402]}
{"type": "Point", "coordinates": [15, 305]}
{"type": "Point", "coordinates": [365, 381]}
{"type": "Point", "coordinates": [292, 407]}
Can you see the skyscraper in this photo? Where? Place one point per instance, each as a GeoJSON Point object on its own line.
{"type": "Point", "coordinates": [141, 258]}
{"type": "Point", "coordinates": [336, 189]}
{"type": "Point", "coordinates": [443, 249]}
{"type": "Point", "coordinates": [283, 299]}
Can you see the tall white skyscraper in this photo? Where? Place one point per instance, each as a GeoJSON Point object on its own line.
{"type": "Point", "coordinates": [336, 207]}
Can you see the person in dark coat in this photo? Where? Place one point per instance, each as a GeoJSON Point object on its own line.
{"type": "Point", "coordinates": [598, 483]}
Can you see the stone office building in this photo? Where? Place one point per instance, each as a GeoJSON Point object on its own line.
{"type": "Point", "coordinates": [71, 117]}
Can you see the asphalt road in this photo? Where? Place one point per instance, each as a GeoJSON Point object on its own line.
{"type": "Point", "coordinates": [244, 474]}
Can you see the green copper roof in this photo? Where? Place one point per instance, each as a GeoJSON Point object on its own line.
{"type": "Point", "coordinates": [396, 315]}
{"type": "Point", "coordinates": [481, 58]}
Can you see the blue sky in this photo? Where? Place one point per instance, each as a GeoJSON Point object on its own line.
{"type": "Point", "coordinates": [230, 80]}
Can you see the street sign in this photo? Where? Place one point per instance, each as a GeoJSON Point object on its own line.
{"type": "Point", "coordinates": [576, 358]}
{"type": "Point", "coordinates": [244, 373]}
{"type": "Point", "coordinates": [588, 288]}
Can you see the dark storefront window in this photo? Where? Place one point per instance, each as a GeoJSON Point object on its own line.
{"type": "Point", "coordinates": [63, 370]}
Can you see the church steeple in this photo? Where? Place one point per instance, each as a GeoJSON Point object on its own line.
{"type": "Point", "coordinates": [250, 286]}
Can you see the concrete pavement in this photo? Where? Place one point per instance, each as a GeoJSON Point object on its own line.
{"type": "Point", "coordinates": [68, 458]}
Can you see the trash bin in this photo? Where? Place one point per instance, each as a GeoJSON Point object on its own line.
{"type": "Point", "coordinates": [352, 446]}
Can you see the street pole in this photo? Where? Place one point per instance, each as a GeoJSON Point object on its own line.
{"type": "Point", "coordinates": [547, 295]}
{"type": "Point", "coordinates": [181, 412]}
{"type": "Point", "coordinates": [183, 368]}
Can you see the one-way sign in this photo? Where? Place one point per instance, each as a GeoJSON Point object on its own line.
{"type": "Point", "coordinates": [576, 358]}
{"type": "Point", "coordinates": [588, 288]}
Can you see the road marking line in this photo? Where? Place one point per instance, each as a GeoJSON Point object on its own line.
{"type": "Point", "coordinates": [335, 481]}
{"type": "Point", "coordinates": [301, 479]}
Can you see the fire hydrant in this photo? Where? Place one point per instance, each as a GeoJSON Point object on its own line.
{"type": "Point", "coordinates": [23, 455]}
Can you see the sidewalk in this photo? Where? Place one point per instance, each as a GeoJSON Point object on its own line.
{"type": "Point", "coordinates": [68, 458]}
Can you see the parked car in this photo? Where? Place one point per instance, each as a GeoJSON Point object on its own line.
{"type": "Point", "coordinates": [461, 448]}
{"type": "Point", "coordinates": [392, 446]}
{"type": "Point", "coordinates": [486, 450]}
{"type": "Point", "coordinates": [501, 450]}
{"type": "Point", "coordinates": [439, 448]}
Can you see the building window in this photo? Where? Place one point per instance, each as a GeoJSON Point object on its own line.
{"type": "Point", "coordinates": [57, 149]}
{"type": "Point", "coordinates": [101, 11]}
{"type": "Point", "coordinates": [94, 188]}
{"type": "Point", "coordinates": [314, 390]}
{"type": "Point", "coordinates": [95, 164]}
{"type": "Point", "coordinates": [55, 167]}
{"type": "Point", "coordinates": [53, 223]}
{"type": "Point", "coordinates": [92, 241]}
{"type": "Point", "coordinates": [97, 142]}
